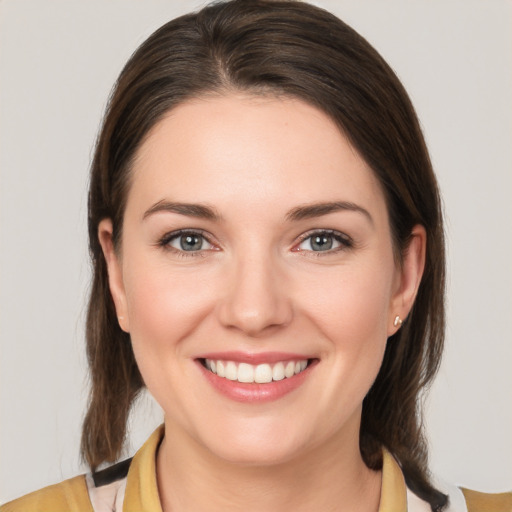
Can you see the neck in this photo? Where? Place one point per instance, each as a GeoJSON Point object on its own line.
{"type": "Point", "coordinates": [331, 477]}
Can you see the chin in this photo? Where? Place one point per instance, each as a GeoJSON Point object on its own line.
{"type": "Point", "coordinates": [252, 446]}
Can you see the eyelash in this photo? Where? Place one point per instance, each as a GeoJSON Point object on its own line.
{"type": "Point", "coordinates": [169, 237]}
{"type": "Point", "coordinates": [344, 240]}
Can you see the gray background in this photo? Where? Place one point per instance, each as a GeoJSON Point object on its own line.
{"type": "Point", "coordinates": [58, 61]}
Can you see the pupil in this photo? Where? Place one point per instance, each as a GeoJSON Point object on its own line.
{"type": "Point", "coordinates": [191, 242]}
{"type": "Point", "coordinates": [321, 242]}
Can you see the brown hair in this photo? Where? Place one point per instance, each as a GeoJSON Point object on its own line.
{"type": "Point", "coordinates": [294, 49]}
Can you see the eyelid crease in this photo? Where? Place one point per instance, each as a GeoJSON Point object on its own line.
{"type": "Point", "coordinates": [319, 231]}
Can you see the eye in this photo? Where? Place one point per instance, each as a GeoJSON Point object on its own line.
{"type": "Point", "coordinates": [324, 241]}
{"type": "Point", "coordinates": [186, 241]}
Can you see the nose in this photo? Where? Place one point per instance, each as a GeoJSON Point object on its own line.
{"type": "Point", "coordinates": [256, 301]}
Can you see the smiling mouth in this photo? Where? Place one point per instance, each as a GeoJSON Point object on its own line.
{"type": "Point", "coordinates": [257, 374]}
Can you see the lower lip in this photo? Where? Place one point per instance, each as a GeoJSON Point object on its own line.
{"type": "Point", "coordinates": [253, 392]}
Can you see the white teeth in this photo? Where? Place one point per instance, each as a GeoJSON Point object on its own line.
{"type": "Point", "coordinates": [261, 373]}
{"type": "Point", "coordinates": [231, 371]}
{"type": "Point", "coordinates": [289, 371]}
{"type": "Point", "coordinates": [245, 373]}
{"type": "Point", "coordinates": [278, 372]}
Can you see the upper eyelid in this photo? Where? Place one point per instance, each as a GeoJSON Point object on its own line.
{"type": "Point", "coordinates": [171, 235]}
{"type": "Point", "coordinates": [308, 234]}
{"type": "Point", "coordinates": [178, 232]}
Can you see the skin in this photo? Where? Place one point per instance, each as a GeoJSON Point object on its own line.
{"type": "Point", "coordinates": [256, 286]}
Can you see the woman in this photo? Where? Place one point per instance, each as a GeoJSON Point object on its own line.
{"type": "Point", "coordinates": [268, 248]}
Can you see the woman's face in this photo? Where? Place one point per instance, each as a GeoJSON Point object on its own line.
{"type": "Point", "coordinates": [256, 242]}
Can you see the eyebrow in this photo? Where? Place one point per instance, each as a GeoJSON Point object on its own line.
{"type": "Point", "coordinates": [309, 211]}
{"type": "Point", "coordinates": [200, 211]}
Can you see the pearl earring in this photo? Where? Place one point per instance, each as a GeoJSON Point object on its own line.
{"type": "Point", "coordinates": [398, 321]}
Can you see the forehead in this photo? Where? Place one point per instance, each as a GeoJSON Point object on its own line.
{"type": "Point", "coordinates": [250, 150]}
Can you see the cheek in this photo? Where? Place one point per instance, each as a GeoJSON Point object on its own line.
{"type": "Point", "coordinates": [165, 306]}
{"type": "Point", "coordinates": [353, 317]}
{"type": "Point", "coordinates": [355, 305]}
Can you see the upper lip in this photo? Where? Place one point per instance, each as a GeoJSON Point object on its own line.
{"type": "Point", "coordinates": [254, 358]}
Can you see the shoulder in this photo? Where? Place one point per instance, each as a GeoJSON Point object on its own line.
{"type": "Point", "coordinates": [101, 491]}
{"type": "Point", "coordinates": [461, 499]}
{"type": "Point", "coordinates": [68, 495]}
{"type": "Point", "coordinates": [486, 502]}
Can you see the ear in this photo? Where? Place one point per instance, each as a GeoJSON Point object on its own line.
{"type": "Point", "coordinates": [408, 278]}
{"type": "Point", "coordinates": [115, 274]}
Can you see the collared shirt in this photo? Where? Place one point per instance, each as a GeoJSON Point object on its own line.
{"type": "Point", "coordinates": [138, 491]}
